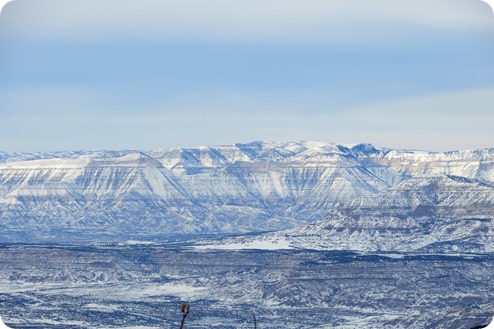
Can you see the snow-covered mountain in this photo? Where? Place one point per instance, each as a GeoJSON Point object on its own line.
{"type": "Point", "coordinates": [422, 214]}
{"type": "Point", "coordinates": [238, 188]}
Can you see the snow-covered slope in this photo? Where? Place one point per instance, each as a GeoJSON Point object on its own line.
{"type": "Point", "coordinates": [477, 164]}
{"type": "Point", "coordinates": [237, 188]}
{"type": "Point", "coordinates": [426, 214]}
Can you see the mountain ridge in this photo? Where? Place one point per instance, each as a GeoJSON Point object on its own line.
{"type": "Point", "coordinates": [238, 188]}
{"type": "Point", "coordinates": [441, 214]}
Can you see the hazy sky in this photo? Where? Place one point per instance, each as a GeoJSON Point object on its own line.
{"type": "Point", "coordinates": [146, 74]}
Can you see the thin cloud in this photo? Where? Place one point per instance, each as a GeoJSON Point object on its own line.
{"type": "Point", "coordinates": [440, 122]}
{"type": "Point", "coordinates": [253, 20]}
{"type": "Point", "coordinates": [146, 73]}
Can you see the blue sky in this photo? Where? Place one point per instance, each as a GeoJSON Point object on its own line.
{"type": "Point", "coordinates": [146, 74]}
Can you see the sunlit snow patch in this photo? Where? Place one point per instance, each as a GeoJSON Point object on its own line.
{"type": "Point", "coordinates": [135, 243]}
{"type": "Point", "coordinates": [277, 244]}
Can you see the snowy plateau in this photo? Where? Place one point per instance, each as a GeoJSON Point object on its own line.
{"type": "Point", "coordinates": [302, 234]}
{"type": "Point", "coordinates": [243, 188]}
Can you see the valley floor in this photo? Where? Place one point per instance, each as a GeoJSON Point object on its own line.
{"type": "Point", "coordinates": [143, 286]}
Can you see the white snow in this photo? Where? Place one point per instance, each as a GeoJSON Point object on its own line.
{"type": "Point", "coordinates": [262, 186]}
{"type": "Point", "coordinates": [278, 244]}
{"type": "Point", "coordinates": [136, 242]}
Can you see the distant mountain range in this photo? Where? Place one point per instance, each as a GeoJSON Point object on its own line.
{"type": "Point", "coordinates": [343, 197]}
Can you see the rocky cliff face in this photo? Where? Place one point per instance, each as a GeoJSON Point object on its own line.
{"type": "Point", "coordinates": [237, 188]}
{"type": "Point", "coordinates": [444, 214]}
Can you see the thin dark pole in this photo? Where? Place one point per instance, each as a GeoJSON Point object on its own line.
{"type": "Point", "coordinates": [255, 320]}
{"type": "Point", "coordinates": [185, 311]}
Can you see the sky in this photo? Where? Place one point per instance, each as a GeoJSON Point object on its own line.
{"type": "Point", "coordinates": [149, 74]}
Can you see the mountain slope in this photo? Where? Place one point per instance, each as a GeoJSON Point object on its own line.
{"type": "Point", "coordinates": [423, 214]}
{"type": "Point", "coordinates": [237, 188]}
